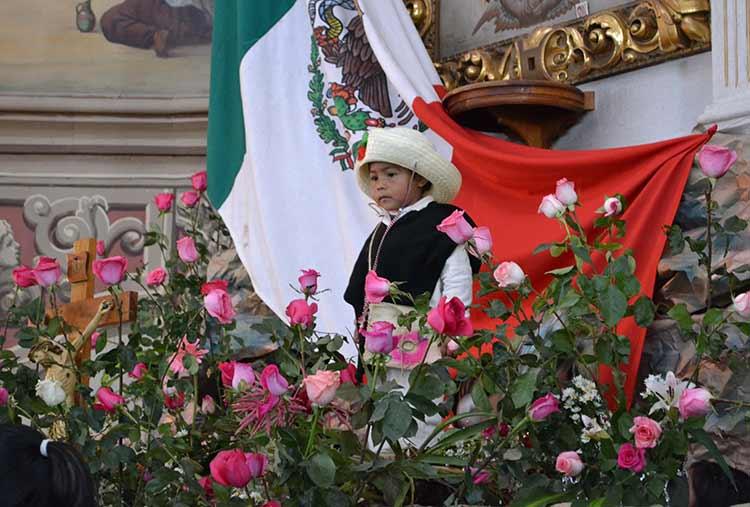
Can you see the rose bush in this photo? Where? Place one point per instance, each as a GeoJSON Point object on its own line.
{"type": "Point", "coordinates": [181, 417]}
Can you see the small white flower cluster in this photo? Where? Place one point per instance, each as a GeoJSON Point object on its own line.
{"type": "Point", "coordinates": [582, 397]}
{"type": "Point", "coordinates": [458, 450]}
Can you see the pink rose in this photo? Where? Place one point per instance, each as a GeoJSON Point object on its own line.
{"type": "Point", "coordinates": [174, 400]}
{"type": "Point", "coordinates": [207, 486]}
{"type": "Point", "coordinates": [256, 463]}
{"type": "Point", "coordinates": [456, 227]}
{"type": "Point", "coordinates": [229, 468]}
{"type": "Point", "coordinates": [551, 207]}
{"type": "Point", "coordinates": [95, 338]}
{"type": "Point", "coordinates": [509, 275]}
{"type": "Point", "coordinates": [543, 407]}
{"type": "Point", "coordinates": [321, 387]}
{"type": "Point", "coordinates": [569, 463]}
{"type": "Point", "coordinates": [300, 313]}
{"type": "Point", "coordinates": [108, 400]}
{"type": "Point", "coordinates": [156, 277]}
{"type": "Point", "coordinates": [742, 304]}
{"type": "Point", "coordinates": [47, 271]}
{"type": "Point", "coordinates": [23, 276]}
{"type": "Point", "coordinates": [631, 458]}
{"type": "Point", "coordinates": [212, 285]}
{"type": "Point", "coordinates": [612, 206]}
{"type": "Point", "coordinates": [379, 339]}
{"type": "Point", "coordinates": [243, 376]}
{"type": "Point", "coordinates": [186, 250]}
{"type": "Point", "coordinates": [449, 317]}
{"type": "Point", "coordinates": [272, 503]}
{"type": "Point", "coordinates": [273, 381]}
{"type": "Point", "coordinates": [100, 248]}
{"type": "Point", "coordinates": [410, 349]}
{"type": "Point", "coordinates": [199, 181]}
{"type": "Point", "coordinates": [308, 282]}
{"type": "Point", "coordinates": [376, 288]}
{"type": "Point", "coordinates": [218, 304]}
{"type": "Point", "coordinates": [227, 372]}
{"type": "Point", "coordinates": [208, 405]}
{"type": "Point", "coordinates": [348, 374]}
{"type": "Point", "coordinates": [715, 161]}
{"type": "Point", "coordinates": [482, 240]}
{"type": "Point", "coordinates": [111, 271]}
{"type": "Point", "coordinates": [190, 198]}
{"type": "Point", "coordinates": [3, 396]}
{"type": "Point", "coordinates": [565, 192]}
{"type": "Point", "coordinates": [479, 476]}
{"type": "Point", "coordinates": [139, 370]}
{"type": "Point", "coordinates": [164, 201]}
{"type": "Point", "coordinates": [694, 402]}
{"type": "Point", "coordinates": [646, 431]}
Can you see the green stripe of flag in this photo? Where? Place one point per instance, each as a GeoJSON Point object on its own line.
{"type": "Point", "coordinates": [238, 25]}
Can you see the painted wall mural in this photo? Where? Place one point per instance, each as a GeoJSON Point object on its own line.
{"type": "Point", "coordinates": [467, 24]}
{"type": "Point", "coordinates": [120, 48]}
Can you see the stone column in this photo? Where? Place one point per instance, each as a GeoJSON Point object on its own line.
{"type": "Point", "coordinates": [730, 41]}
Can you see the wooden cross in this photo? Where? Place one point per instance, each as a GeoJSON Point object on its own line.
{"type": "Point", "coordinates": [83, 305]}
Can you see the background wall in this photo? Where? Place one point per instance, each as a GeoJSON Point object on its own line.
{"type": "Point", "coordinates": [644, 106]}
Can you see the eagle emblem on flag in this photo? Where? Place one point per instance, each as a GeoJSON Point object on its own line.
{"type": "Point", "coordinates": [348, 88]}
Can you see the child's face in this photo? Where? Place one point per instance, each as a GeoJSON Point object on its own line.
{"type": "Point", "coordinates": [389, 186]}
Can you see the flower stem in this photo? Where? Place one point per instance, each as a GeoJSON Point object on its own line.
{"type": "Point", "coordinates": [316, 414]}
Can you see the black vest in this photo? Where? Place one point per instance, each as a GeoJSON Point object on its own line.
{"type": "Point", "coordinates": [414, 252]}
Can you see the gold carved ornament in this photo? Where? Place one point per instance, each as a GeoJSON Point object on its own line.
{"type": "Point", "coordinates": [604, 43]}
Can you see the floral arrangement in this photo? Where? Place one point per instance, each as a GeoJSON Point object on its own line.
{"type": "Point", "coordinates": [514, 414]}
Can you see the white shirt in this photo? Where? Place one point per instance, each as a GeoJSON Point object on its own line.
{"type": "Point", "coordinates": [456, 278]}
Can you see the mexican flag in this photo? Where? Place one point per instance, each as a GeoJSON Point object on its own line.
{"type": "Point", "coordinates": [294, 87]}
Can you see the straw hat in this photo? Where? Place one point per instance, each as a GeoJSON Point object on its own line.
{"type": "Point", "coordinates": [408, 148]}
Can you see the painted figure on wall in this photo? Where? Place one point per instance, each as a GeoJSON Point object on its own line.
{"type": "Point", "coordinates": [513, 14]}
{"type": "Point", "coordinates": [159, 24]}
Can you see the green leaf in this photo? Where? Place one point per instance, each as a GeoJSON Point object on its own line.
{"type": "Point", "coordinates": [480, 397]}
{"type": "Point", "coordinates": [538, 497]}
{"type": "Point", "coordinates": [580, 250]}
{"type": "Point", "coordinates": [735, 224]}
{"type": "Point", "coordinates": [682, 316]}
{"type": "Point", "coordinates": [524, 387]}
{"type": "Point", "coordinates": [497, 310]}
{"type": "Point", "coordinates": [560, 271]}
{"type": "Point", "coordinates": [397, 420]}
{"type": "Point", "coordinates": [613, 305]}
{"type": "Point", "coordinates": [624, 423]}
{"type": "Point", "coordinates": [322, 470]}
{"type": "Point", "coordinates": [562, 341]}
{"type": "Point", "coordinates": [542, 248]}
{"type": "Point", "coordinates": [191, 365]}
{"type": "Point", "coordinates": [558, 250]}
{"type": "Point", "coordinates": [712, 317]}
{"type": "Point", "coordinates": [644, 311]}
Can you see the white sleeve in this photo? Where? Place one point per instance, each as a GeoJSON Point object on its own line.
{"type": "Point", "coordinates": [455, 279]}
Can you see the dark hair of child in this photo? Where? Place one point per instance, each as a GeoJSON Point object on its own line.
{"type": "Point", "coordinates": [28, 478]}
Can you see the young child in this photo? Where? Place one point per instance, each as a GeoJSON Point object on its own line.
{"type": "Point", "coordinates": [411, 186]}
{"type": "Point", "coordinates": [40, 472]}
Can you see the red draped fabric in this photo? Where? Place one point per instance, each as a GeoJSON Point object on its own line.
{"type": "Point", "coordinates": [503, 184]}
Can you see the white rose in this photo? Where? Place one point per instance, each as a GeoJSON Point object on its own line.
{"type": "Point", "coordinates": [565, 192]}
{"type": "Point", "coordinates": [551, 207]}
{"type": "Point", "coordinates": [509, 275]}
{"type": "Point", "coordinates": [50, 391]}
